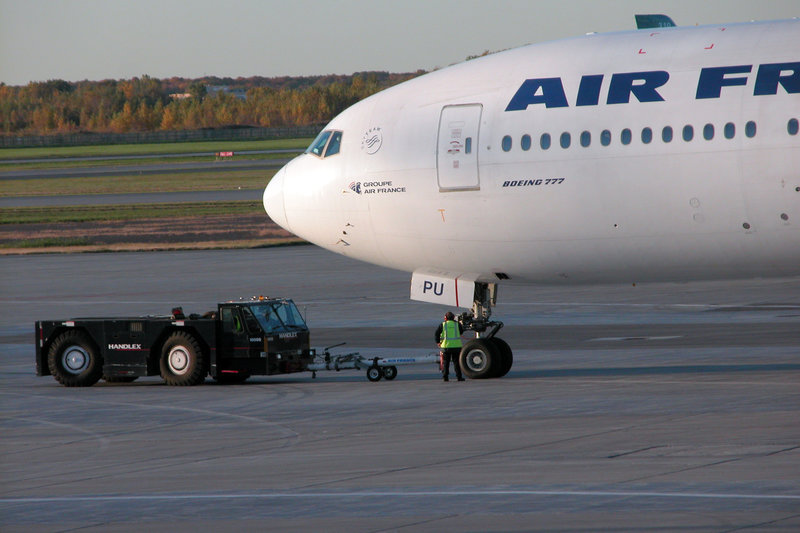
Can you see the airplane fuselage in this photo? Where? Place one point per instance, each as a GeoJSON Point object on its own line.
{"type": "Point", "coordinates": [668, 154]}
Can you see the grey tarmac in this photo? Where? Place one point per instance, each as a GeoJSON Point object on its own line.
{"type": "Point", "coordinates": [655, 407]}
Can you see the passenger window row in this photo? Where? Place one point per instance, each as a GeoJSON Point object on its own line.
{"type": "Point", "coordinates": [687, 133]}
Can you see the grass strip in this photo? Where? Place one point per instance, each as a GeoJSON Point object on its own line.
{"type": "Point", "coordinates": [151, 149]}
{"type": "Point", "coordinates": [155, 160]}
{"type": "Point", "coordinates": [49, 242]}
{"type": "Point", "coordinates": [104, 213]}
{"type": "Point", "coordinates": [68, 246]}
{"type": "Point", "coordinates": [176, 182]}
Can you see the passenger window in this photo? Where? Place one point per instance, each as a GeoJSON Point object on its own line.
{"type": "Point", "coordinates": [647, 135]}
{"type": "Point", "coordinates": [688, 133]}
{"type": "Point", "coordinates": [708, 132]}
{"type": "Point", "coordinates": [666, 134]}
{"type": "Point", "coordinates": [792, 127]}
{"type": "Point", "coordinates": [626, 136]}
{"type": "Point", "coordinates": [544, 141]}
{"type": "Point", "coordinates": [525, 143]}
{"type": "Point", "coordinates": [750, 129]}
{"type": "Point", "coordinates": [566, 139]}
{"type": "Point", "coordinates": [730, 130]}
{"type": "Point", "coordinates": [605, 137]}
{"type": "Point", "coordinates": [586, 139]}
{"type": "Point", "coordinates": [318, 146]}
{"type": "Point", "coordinates": [335, 144]}
{"type": "Point", "coordinates": [468, 145]}
{"type": "Point", "coordinates": [507, 143]}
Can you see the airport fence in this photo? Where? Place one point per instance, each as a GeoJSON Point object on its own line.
{"type": "Point", "coordinates": [220, 134]}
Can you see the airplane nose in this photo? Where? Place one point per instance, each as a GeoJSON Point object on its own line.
{"type": "Point", "coordinates": [273, 199]}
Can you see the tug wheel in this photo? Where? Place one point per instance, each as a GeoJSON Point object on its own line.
{"type": "Point", "coordinates": [74, 360]}
{"type": "Point", "coordinates": [182, 360]}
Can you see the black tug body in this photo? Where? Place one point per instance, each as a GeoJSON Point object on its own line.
{"type": "Point", "coordinates": [261, 336]}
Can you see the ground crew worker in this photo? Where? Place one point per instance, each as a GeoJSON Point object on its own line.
{"type": "Point", "coordinates": [448, 337]}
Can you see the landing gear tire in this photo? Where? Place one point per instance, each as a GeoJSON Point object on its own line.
{"type": "Point", "coordinates": [506, 359]}
{"type": "Point", "coordinates": [74, 361]}
{"type": "Point", "coordinates": [389, 373]}
{"type": "Point", "coordinates": [478, 358]}
{"type": "Point", "coordinates": [374, 373]}
{"type": "Point", "coordinates": [182, 360]}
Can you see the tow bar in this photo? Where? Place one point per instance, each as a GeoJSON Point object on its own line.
{"type": "Point", "coordinates": [376, 367]}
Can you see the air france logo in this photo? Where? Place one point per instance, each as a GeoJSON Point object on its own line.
{"type": "Point", "coordinates": [376, 187]}
{"type": "Point", "coordinates": [372, 140]}
{"type": "Point", "coordinates": [647, 86]}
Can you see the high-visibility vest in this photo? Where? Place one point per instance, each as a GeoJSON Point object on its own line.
{"type": "Point", "coordinates": [450, 336]}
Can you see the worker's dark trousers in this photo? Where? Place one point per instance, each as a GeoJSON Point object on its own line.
{"type": "Point", "coordinates": [450, 354]}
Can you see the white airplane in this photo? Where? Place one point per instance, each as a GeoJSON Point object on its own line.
{"type": "Point", "coordinates": [649, 155]}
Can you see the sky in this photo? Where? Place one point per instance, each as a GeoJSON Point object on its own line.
{"type": "Point", "coordinates": [78, 40]}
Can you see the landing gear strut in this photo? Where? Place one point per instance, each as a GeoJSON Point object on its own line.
{"type": "Point", "coordinates": [486, 356]}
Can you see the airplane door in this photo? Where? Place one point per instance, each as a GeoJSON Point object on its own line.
{"type": "Point", "coordinates": [457, 147]}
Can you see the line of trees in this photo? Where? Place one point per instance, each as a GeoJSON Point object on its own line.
{"type": "Point", "coordinates": [145, 104]}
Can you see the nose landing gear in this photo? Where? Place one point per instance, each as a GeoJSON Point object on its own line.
{"type": "Point", "coordinates": [486, 356]}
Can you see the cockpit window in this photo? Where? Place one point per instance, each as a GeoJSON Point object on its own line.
{"type": "Point", "coordinates": [333, 139]}
{"type": "Point", "coordinates": [318, 146]}
{"type": "Point", "coordinates": [335, 144]}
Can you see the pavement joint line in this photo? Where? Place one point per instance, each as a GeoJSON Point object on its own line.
{"type": "Point", "coordinates": [399, 494]}
{"type": "Point", "coordinates": [645, 338]}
